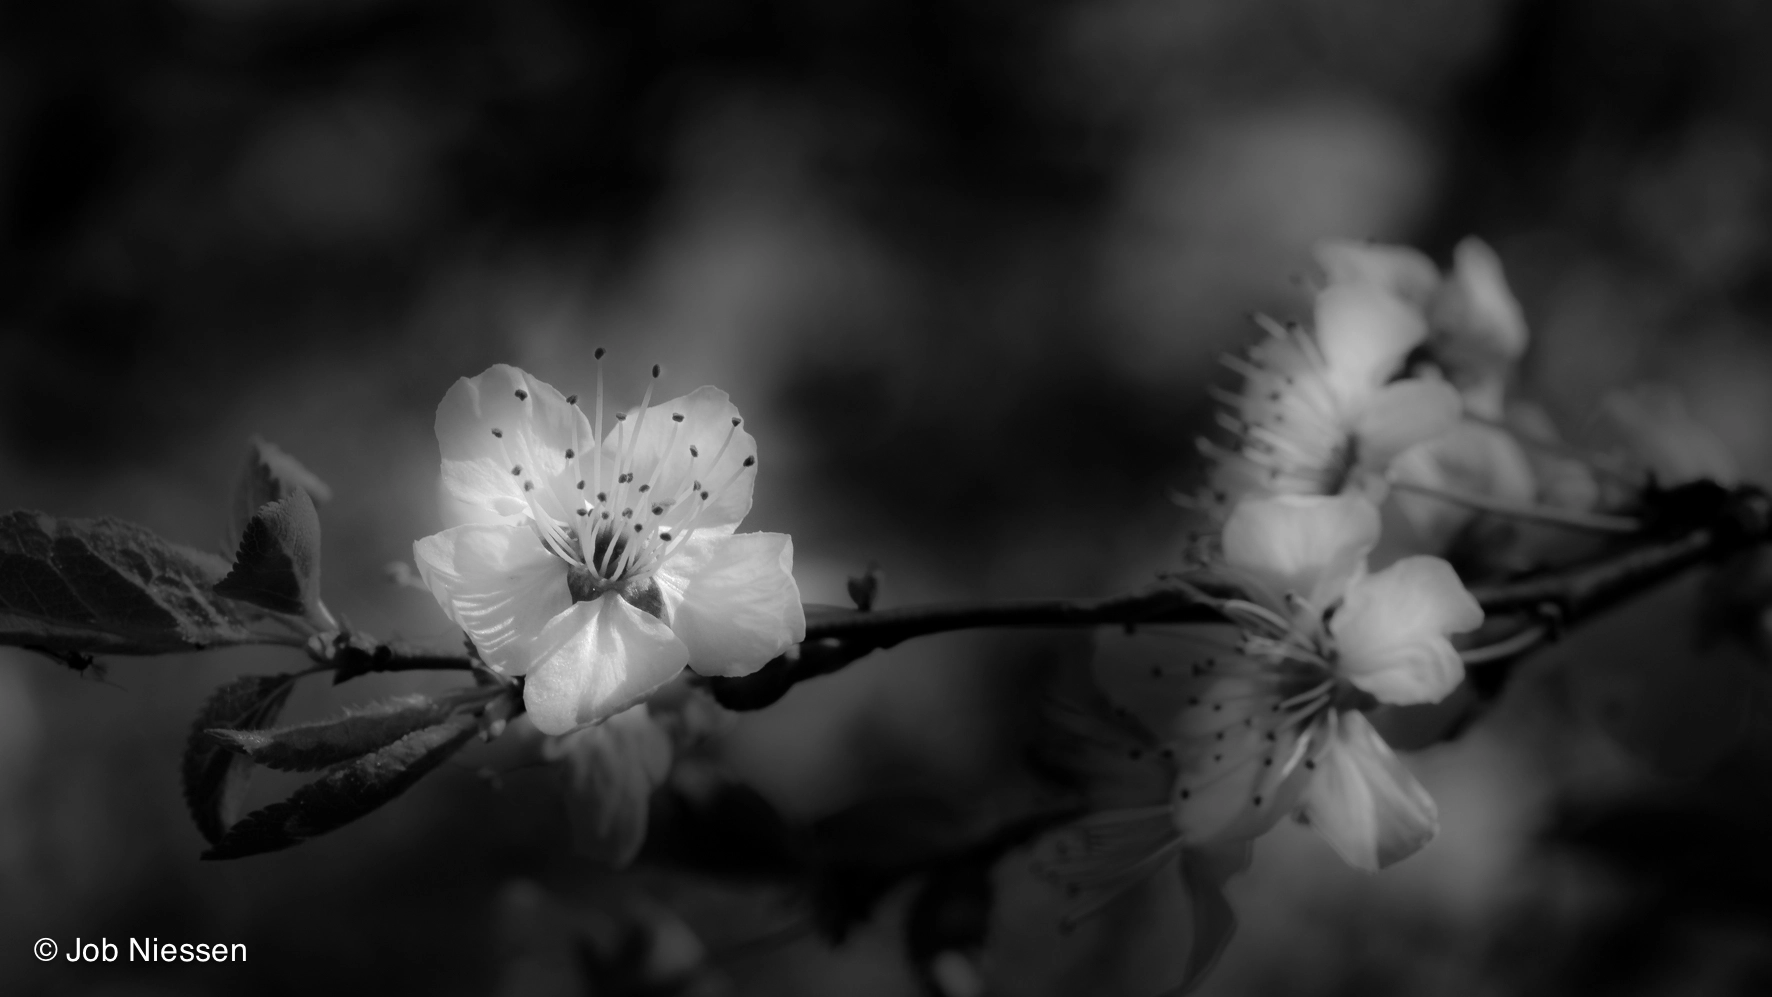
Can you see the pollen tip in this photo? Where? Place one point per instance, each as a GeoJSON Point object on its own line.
{"type": "Point", "coordinates": [516, 468]}
{"type": "Point", "coordinates": [736, 420]}
{"type": "Point", "coordinates": [569, 453]}
{"type": "Point", "coordinates": [598, 354]}
{"type": "Point", "coordinates": [665, 536]}
{"type": "Point", "coordinates": [581, 486]}
{"type": "Point", "coordinates": [694, 452]}
{"type": "Point", "coordinates": [676, 417]}
{"type": "Point", "coordinates": [639, 528]}
{"type": "Point", "coordinates": [572, 399]}
{"type": "Point", "coordinates": [655, 370]}
{"type": "Point", "coordinates": [529, 486]}
{"type": "Point", "coordinates": [749, 461]}
{"type": "Point", "coordinates": [498, 432]}
{"type": "Point", "coordinates": [522, 395]}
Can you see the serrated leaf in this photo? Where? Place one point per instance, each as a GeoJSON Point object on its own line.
{"type": "Point", "coordinates": [270, 475]}
{"type": "Point", "coordinates": [310, 746]}
{"type": "Point", "coordinates": [106, 586]}
{"type": "Point", "coordinates": [214, 777]}
{"type": "Point", "coordinates": [347, 792]}
{"type": "Point", "coordinates": [277, 565]}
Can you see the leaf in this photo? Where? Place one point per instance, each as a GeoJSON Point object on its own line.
{"type": "Point", "coordinates": [277, 565]}
{"type": "Point", "coordinates": [103, 585]}
{"type": "Point", "coordinates": [270, 475]}
{"type": "Point", "coordinates": [310, 746]}
{"type": "Point", "coordinates": [214, 777]}
{"type": "Point", "coordinates": [347, 792]}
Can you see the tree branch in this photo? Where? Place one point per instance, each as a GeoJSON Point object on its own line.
{"type": "Point", "coordinates": [1706, 523]}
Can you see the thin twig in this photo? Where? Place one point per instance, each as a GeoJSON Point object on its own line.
{"type": "Point", "coordinates": [1595, 521]}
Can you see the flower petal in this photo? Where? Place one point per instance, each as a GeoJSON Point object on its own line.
{"type": "Point", "coordinates": [1469, 457]}
{"type": "Point", "coordinates": [1400, 270]}
{"type": "Point", "coordinates": [1153, 673]}
{"type": "Point", "coordinates": [596, 660]}
{"type": "Point", "coordinates": [1391, 631]}
{"type": "Point", "coordinates": [499, 584]}
{"type": "Point", "coordinates": [503, 429]}
{"type": "Point", "coordinates": [1365, 334]}
{"type": "Point", "coordinates": [732, 600]}
{"type": "Point", "coordinates": [613, 769]}
{"type": "Point", "coordinates": [1306, 545]}
{"type": "Point", "coordinates": [1364, 802]}
{"type": "Point", "coordinates": [712, 426]}
{"type": "Point", "coordinates": [1403, 414]}
{"type": "Point", "coordinates": [1476, 310]}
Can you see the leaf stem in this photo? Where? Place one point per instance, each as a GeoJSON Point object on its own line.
{"type": "Point", "coordinates": [1597, 522]}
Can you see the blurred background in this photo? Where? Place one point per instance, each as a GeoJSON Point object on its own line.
{"type": "Point", "coordinates": [967, 269]}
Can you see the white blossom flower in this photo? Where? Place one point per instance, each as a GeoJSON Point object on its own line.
{"type": "Point", "coordinates": [600, 565]}
{"type": "Point", "coordinates": [1479, 329]}
{"type": "Point", "coordinates": [1319, 412]}
{"type": "Point", "coordinates": [1265, 716]}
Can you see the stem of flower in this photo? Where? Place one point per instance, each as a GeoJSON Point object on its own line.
{"type": "Point", "coordinates": [1597, 462]}
{"type": "Point", "coordinates": [1598, 522]}
{"type": "Point", "coordinates": [1519, 643]}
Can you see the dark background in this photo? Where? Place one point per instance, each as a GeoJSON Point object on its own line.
{"type": "Point", "coordinates": [966, 267]}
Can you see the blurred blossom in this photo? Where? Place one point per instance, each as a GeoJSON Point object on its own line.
{"type": "Point", "coordinates": [1676, 449]}
{"type": "Point", "coordinates": [612, 769]}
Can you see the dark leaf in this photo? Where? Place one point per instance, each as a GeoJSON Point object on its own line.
{"type": "Point", "coordinates": [270, 475]}
{"type": "Point", "coordinates": [347, 792]}
{"type": "Point", "coordinates": [705, 823]}
{"type": "Point", "coordinates": [277, 565]}
{"type": "Point", "coordinates": [106, 586]}
{"type": "Point", "coordinates": [214, 777]}
{"type": "Point", "coordinates": [310, 746]}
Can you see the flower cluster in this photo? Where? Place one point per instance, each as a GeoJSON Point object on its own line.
{"type": "Point", "coordinates": [597, 565]}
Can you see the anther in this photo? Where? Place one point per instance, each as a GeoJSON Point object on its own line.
{"type": "Point", "coordinates": [676, 417]}
{"type": "Point", "coordinates": [584, 512]}
{"type": "Point", "coordinates": [581, 486]}
{"type": "Point", "coordinates": [749, 461]}
{"type": "Point", "coordinates": [516, 468]}
{"type": "Point", "coordinates": [624, 479]}
{"type": "Point", "coordinates": [529, 486]}
{"type": "Point", "coordinates": [639, 528]}
{"type": "Point", "coordinates": [645, 488]}
{"type": "Point", "coordinates": [666, 537]}
{"type": "Point", "coordinates": [658, 510]}
{"type": "Point", "coordinates": [498, 432]}
{"type": "Point", "coordinates": [694, 452]}
{"type": "Point", "coordinates": [572, 399]}
{"type": "Point", "coordinates": [602, 496]}
{"type": "Point", "coordinates": [704, 496]}
{"type": "Point", "coordinates": [655, 370]}
{"type": "Point", "coordinates": [627, 514]}
{"type": "Point", "coordinates": [598, 355]}
{"type": "Point", "coordinates": [522, 395]}
{"type": "Point", "coordinates": [569, 453]}
{"type": "Point", "coordinates": [736, 420]}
